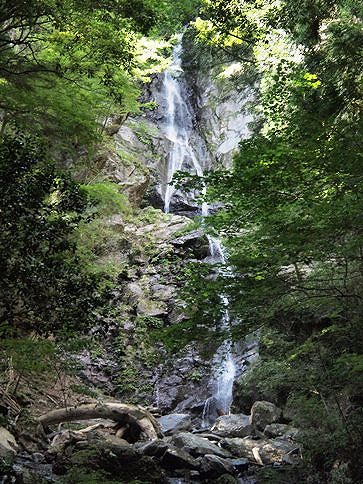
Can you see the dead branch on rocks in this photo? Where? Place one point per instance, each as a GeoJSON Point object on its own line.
{"type": "Point", "coordinates": [136, 417]}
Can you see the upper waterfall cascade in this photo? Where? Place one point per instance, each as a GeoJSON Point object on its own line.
{"type": "Point", "coordinates": [178, 126]}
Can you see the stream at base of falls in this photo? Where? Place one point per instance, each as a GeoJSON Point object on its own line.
{"type": "Point", "coordinates": [180, 131]}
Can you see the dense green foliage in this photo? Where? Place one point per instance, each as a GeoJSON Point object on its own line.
{"type": "Point", "coordinates": [292, 216]}
{"type": "Point", "coordinates": [66, 65]}
{"type": "Point", "coordinates": [43, 285]}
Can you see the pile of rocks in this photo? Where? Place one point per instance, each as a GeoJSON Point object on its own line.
{"type": "Point", "coordinates": [230, 451]}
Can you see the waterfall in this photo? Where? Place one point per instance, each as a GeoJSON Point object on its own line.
{"type": "Point", "coordinates": [178, 126]}
{"type": "Point", "coordinates": [224, 367]}
{"type": "Point", "coordinates": [180, 132]}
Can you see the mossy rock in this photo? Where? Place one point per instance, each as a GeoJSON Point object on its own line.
{"type": "Point", "coordinates": [111, 459]}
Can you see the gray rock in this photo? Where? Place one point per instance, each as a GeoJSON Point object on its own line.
{"type": "Point", "coordinates": [113, 124]}
{"type": "Point", "coordinates": [214, 466]}
{"type": "Point", "coordinates": [267, 451]}
{"type": "Point", "coordinates": [175, 458]}
{"type": "Point", "coordinates": [175, 422]}
{"type": "Point", "coordinates": [279, 450]}
{"type": "Point", "coordinates": [111, 458]}
{"type": "Point", "coordinates": [8, 444]}
{"type": "Point", "coordinates": [163, 292]}
{"type": "Point", "coordinates": [148, 307]}
{"type": "Point", "coordinates": [180, 204]}
{"type": "Point", "coordinates": [195, 241]}
{"type": "Point", "coordinates": [280, 430]}
{"type": "Point", "coordinates": [96, 371]}
{"type": "Point", "coordinates": [240, 464]}
{"type": "Point", "coordinates": [132, 177]}
{"type": "Point", "coordinates": [264, 413]}
{"type": "Point", "coordinates": [237, 425]}
{"type": "Point", "coordinates": [241, 447]}
{"type": "Point", "coordinates": [197, 445]}
{"type": "Point", "coordinates": [156, 448]}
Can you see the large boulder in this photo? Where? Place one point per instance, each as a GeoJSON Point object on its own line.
{"type": "Point", "coordinates": [110, 457]}
{"type": "Point", "coordinates": [196, 445]}
{"type": "Point", "coordinates": [170, 457]}
{"type": "Point", "coordinates": [264, 413]}
{"type": "Point", "coordinates": [156, 448]}
{"type": "Point", "coordinates": [262, 451]}
{"type": "Point", "coordinates": [237, 425]}
{"type": "Point", "coordinates": [174, 422]}
{"type": "Point", "coordinates": [8, 445]}
{"type": "Point", "coordinates": [214, 466]}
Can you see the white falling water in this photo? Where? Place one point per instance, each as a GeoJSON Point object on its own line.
{"type": "Point", "coordinates": [178, 126]}
{"type": "Point", "coordinates": [178, 129]}
{"type": "Point", "coordinates": [224, 368]}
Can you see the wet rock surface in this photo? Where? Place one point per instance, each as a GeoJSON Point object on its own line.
{"type": "Point", "coordinates": [175, 422]}
{"type": "Point", "coordinates": [237, 425]}
{"type": "Point", "coordinates": [194, 242]}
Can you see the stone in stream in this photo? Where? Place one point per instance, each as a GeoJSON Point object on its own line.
{"type": "Point", "coordinates": [214, 466]}
{"type": "Point", "coordinates": [197, 445]}
{"type": "Point", "coordinates": [175, 458]}
{"type": "Point", "coordinates": [174, 422]}
{"type": "Point", "coordinates": [237, 425]}
{"type": "Point", "coordinates": [264, 413]}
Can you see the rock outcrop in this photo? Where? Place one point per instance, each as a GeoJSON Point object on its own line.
{"type": "Point", "coordinates": [8, 444]}
{"type": "Point", "coordinates": [264, 413]}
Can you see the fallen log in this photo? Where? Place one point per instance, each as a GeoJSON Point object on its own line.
{"type": "Point", "coordinates": [137, 417]}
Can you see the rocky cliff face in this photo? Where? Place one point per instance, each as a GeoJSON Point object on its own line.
{"type": "Point", "coordinates": [159, 245]}
{"type": "Point", "coordinates": [220, 112]}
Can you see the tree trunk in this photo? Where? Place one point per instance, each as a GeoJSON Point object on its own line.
{"type": "Point", "coordinates": [119, 412]}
